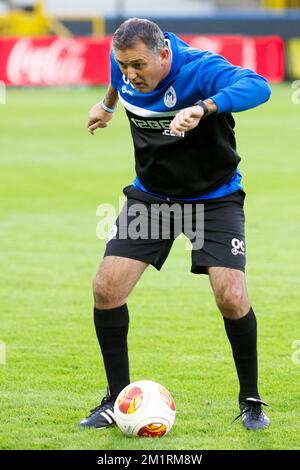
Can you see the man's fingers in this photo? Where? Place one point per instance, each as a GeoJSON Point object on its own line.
{"type": "Point", "coordinates": [178, 126]}
{"type": "Point", "coordinates": [176, 132]}
{"type": "Point", "coordinates": [174, 129]}
{"type": "Point", "coordinates": [92, 123]}
{"type": "Point", "coordinates": [93, 126]}
{"type": "Point", "coordinates": [181, 122]}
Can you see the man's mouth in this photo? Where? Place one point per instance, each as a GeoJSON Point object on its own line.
{"type": "Point", "coordinates": [138, 84]}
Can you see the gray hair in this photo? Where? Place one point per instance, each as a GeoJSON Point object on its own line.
{"type": "Point", "coordinates": [136, 29]}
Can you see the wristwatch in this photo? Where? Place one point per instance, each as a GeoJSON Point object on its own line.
{"type": "Point", "coordinates": [203, 106]}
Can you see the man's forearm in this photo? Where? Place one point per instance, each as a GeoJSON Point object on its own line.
{"type": "Point", "coordinates": [208, 106]}
{"type": "Point", "coordinates": [111, 97]}
{"type": "Point", "coordinates": [211, 105]}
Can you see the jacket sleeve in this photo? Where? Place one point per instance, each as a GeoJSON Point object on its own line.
{"type": "Point", "coordinates": [232, 88]}
{"type": "Point", "coordinates": [114, 69]}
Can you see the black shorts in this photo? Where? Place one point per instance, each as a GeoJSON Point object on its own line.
{"type": "Point", "coordinates": [220, 221]}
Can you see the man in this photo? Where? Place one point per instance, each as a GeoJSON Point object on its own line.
{"type": "Point", "coordinates": [178, 101]}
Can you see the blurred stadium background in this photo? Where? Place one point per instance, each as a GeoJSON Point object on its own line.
{"type": "Point", "coordinates": [54, 63]}
{"type": "Point", "coordinates": [261, 34]}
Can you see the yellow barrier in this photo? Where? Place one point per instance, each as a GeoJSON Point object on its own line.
{"type": "Point", "coordinates": [280, 3]}
{"type": "Point", "coordinates": [98, 27]}
{"type": "Point", "coordinates": [20, 23]}
{"type": "Point", "coordinates": [293, 58]}
{"type": "Point", "coordinates": [36, 23]}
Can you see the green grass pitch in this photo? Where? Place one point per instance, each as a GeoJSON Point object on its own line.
{"type": "Point", "coordinates": [53, 177]}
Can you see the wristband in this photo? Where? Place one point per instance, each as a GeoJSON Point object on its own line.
{"type": "Point", "coordinates": [106, 108]}
{"type": "Point", "coordinates": [204, 107]}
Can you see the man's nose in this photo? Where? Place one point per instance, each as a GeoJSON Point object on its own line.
{"type": "Point", "coordinates": [131, 73]}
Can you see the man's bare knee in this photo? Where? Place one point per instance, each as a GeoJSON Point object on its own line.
{"type": "Point", "coordinates": [232, 302]}
{"type": "Point", "coordinates": [106, 294]}
{"type": "Point", "coordinates": [230, 291]}
{"type": "Point", "coordinates": [115, 280]}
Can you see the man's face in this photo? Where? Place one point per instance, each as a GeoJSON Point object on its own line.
{"type": "Point", "coordinates": [144, 68]}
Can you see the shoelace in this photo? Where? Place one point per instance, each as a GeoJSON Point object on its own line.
{"type": "Point", "coordinates": [103, 402]}
{"type": "Point", "coordinates": [254, 407]}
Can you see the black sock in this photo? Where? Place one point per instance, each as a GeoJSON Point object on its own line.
{"type": "Point", "coordinates": [242, 334]}
{"type": "Point", "coordinates": [112, 328]}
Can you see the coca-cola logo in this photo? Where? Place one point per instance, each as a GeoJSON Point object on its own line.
{"type": "Point", "coordinates": [61, 62]}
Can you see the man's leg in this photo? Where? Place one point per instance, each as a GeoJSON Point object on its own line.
{"type": "Point", "coordinates": [113, 283]}
{"type": "Point", "coordinates": [231, 296]}
{"type": "Point", "coordinates": [240, 323]}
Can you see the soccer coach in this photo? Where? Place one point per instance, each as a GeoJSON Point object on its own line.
{"type": "Point", "coordinates": [179, 102]}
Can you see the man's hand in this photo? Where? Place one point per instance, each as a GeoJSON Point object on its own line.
{"type": "Point", "coordinates": [186, 120]}
{"type": "Point", "coordinates": [98, 117]}
{"type": "Point", "coordinates": [189, 118]}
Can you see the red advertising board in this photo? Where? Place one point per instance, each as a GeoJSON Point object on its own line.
{"type": "Point", "coordinates": [81, 61]}
{"type": "Point", "coordinates": [54, 61]}
{"type": "Point", "coordinates": [263, 54]}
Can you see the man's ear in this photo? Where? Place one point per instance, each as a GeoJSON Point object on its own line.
{"type": "Point", "coordinates": [165, 55]}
